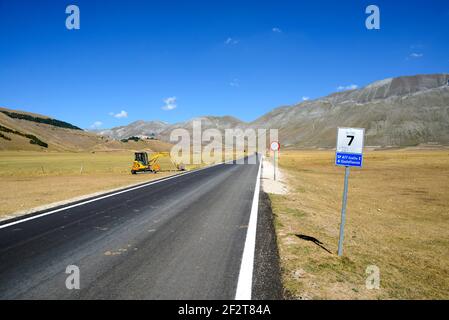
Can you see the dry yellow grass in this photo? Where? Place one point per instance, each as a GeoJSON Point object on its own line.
{"type": "Point", "coordinates": [31, 179]}
{"type": "Point", "coordinates": [397, 219]}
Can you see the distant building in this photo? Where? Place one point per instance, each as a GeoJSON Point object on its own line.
{"type": "Point", "coordinates": [145, 137]}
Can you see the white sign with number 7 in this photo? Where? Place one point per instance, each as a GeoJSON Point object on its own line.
{"type": "Point", "coordinates": [350, 140]}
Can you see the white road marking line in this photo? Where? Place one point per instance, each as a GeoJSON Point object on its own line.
{"type": "Point", "coordinates": [106, 196]}
{"type": "Point", "coordinates": [245, 282]}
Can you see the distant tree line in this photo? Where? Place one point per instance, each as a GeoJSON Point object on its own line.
{"type": "Point", "coordinates": [133, 138]}
{"type": "Point", "coordinates": [52, 122]}
{"type": "Point", "coordinates": [33, 139]}
{"type": "Point", "coordinates": [4, 137]}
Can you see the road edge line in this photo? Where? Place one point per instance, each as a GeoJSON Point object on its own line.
{"type": "Point", "coordinates": [245, 280]}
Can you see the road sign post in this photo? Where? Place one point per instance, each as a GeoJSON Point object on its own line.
{"type": "Point", "coordinates": [343, 213]}
{"type": "Point", "coordinates": [275, 146]}
{"type": "Point", "coordinates": [349, 153]}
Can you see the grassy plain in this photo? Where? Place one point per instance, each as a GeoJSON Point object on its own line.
{"type": "Point", "coordinates": [397, 220]}
{"type": "Point", "coordinates": [30, 179]}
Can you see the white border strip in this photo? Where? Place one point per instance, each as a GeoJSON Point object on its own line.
{"type": "Point", "coordinates": [245, 282]}
{"type": "Point", "coordinates": [106, 196]}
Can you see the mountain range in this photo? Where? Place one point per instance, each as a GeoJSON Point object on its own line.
{"type": "Point", "coordinates": [135, 129]}
{"type": "Point", "coordinates": [402, 111]}
{"type": "Point", "coordinates": [21, 130]}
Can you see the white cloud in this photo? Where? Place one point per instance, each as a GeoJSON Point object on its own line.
{"type": "Point", "coordinates": [235, 83]}
{"type": "Point", "coordinates": [416, 55]}
{"type": "Point", "coordinates": [231, 41]}
{"type": "Point", "coordinates": [170, 104]}
{"type": "Point", "coordinates": [96, 125]}
{"type": "Point", "coordinates": [348, 87]}
{"type": "Point", "coordinates": [276, 30]}
{"type": "Point", "coordinates": [121, 114]}
{"type": "Point", "coordinates": [305, 98]}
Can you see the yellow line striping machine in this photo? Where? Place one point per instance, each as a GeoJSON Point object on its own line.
{"type": "Point", "coordinates": [152, 164]}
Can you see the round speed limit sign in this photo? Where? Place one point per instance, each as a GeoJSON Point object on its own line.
{"type": "Point", "coordinates": [275, 146]}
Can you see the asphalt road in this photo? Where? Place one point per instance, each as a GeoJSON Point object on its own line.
{"type": "Point", "coordinates": [181, 238]}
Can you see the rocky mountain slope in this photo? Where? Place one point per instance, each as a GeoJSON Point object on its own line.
{"type": "Point", "coordinates": [137, 128]}
{"type": "Point", "coordinates": [21, 130]}
{"type": "Point", "coordinates": [403, 111]}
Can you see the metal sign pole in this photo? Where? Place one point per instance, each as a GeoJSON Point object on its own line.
{"type": "Point", "coordinates": [343, 213]}
{"type": "Point", "coordinates": [274, 166]}
{"type": "Point", "coordinates": [275, 146]}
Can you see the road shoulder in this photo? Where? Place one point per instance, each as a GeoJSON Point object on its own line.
{"type": "Point", "coordinates": [267, 283]}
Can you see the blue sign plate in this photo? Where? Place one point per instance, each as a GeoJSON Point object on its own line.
{"type": "Point", "coordinates": [348, 159]}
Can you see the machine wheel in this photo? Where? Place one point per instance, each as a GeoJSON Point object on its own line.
{"type": "Point", "coordinates": [156, 168]}
{"type": "Point", "coordinates": [133, 172]}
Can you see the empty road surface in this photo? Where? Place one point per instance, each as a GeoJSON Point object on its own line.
{"type": "Point", "coordinates": [181, 238]}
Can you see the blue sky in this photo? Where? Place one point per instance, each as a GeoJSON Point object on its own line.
{"type": "Point", "coordinates": [240, 58]}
